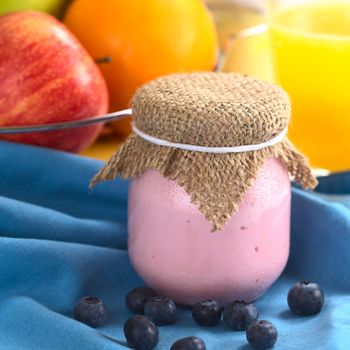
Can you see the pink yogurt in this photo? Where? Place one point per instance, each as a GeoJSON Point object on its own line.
{"type": "Point", "coordinates": [173, 249]}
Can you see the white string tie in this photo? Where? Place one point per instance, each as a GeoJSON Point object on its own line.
{"type": "Point", "coordinates": [187, 147]}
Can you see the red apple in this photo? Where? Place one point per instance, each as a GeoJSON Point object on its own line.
{"type": "Point", "coordinates": [46, 76]}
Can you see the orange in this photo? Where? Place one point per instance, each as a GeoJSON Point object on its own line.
{"type": "Point", "coordinates": [145, 39]}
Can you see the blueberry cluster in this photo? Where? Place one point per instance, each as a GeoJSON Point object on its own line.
{"type": "Point", "coordinates": [238, 316]}
{"type": "Point", "coordinates": [141, 331]}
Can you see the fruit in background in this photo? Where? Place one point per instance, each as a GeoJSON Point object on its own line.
{"type": "Point", "coordinates": [232, 16]}
{"type": "Point", "coordinates": [250, 54]}
{"type": "Point", "coordinates": [46, 76]}
{"type": "Point", "coordinates": [55, 7]}
{"type": "Point", "coordinates": [145, 39]}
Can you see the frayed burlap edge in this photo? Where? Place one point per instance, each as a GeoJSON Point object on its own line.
{"type": "Point", "coordinates": [216, 183]}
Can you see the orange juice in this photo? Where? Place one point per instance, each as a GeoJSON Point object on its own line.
{"type": "Point", "coordinates": [311, 48]}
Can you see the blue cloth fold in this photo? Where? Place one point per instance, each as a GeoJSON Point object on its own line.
{"type": "Point", "coordinates": [59, 241]}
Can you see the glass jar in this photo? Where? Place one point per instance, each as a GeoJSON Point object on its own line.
{"type": "Point", "coordinates": [311, 51]}
{"type": "Point", "coordinates": [209, 200]}
{"type": "Point", "coordinates": [172, 248]}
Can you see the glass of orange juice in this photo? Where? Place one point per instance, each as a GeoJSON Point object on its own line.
{"type": "Point", "coordinates": [311, 53]}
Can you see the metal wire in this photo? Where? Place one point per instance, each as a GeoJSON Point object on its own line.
{"type": "Point", "coordinates": [66, 125]}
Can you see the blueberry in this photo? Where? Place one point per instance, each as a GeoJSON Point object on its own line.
{"type": "Point", "coordinates": [136, 299]}
{"type": "Point", "coordinates": [207, 313]}
{"type": "Point", "coordinates": [305, 298]}
{"type": "Point", "coordinates": [160, 310]}
{"type": "Point", "coordinates": [91, 311]}
{"type": "Point", "coordinates": [141, 333]}
{"type": "Point", "coordinates": [262, 335]}
{"type": "Point", "coordinates": [190, 343]}
{"type": "Point", "coordinates": [238, 315]}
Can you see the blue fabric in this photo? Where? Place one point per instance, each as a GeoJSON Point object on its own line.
{"type": "Point", "coordinates": [60, 242]}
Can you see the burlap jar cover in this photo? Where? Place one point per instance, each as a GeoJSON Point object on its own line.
{"type": "Point", "coordinates": [214, 110]}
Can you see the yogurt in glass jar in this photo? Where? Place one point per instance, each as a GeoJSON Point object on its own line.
{"type": "Point", "coordinates": [172, 247]}
{"type": "Point", "coordinates": [210, 195]}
